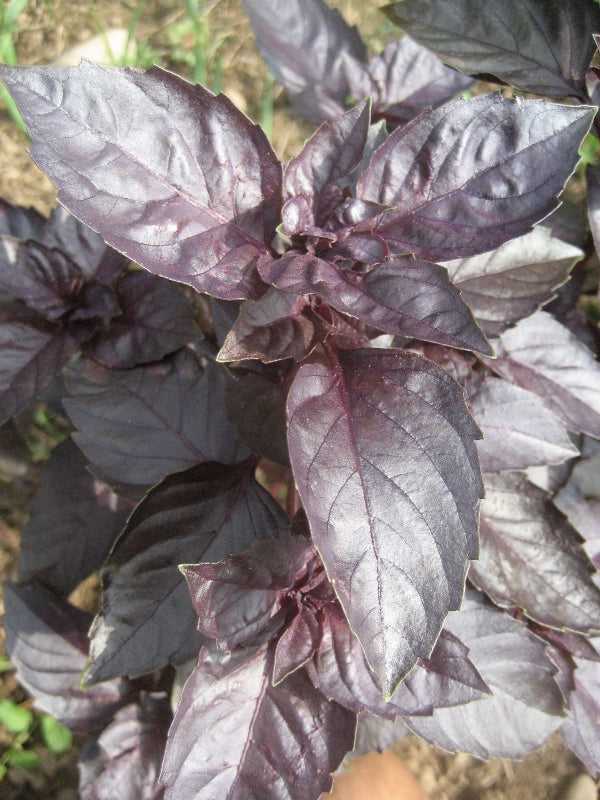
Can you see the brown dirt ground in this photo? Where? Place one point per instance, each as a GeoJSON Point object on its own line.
{"type": "Point", "coordinates": [48, 28]}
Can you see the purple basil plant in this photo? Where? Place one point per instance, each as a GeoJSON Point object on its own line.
{"type": "Point", "coordinates": [387, 324]}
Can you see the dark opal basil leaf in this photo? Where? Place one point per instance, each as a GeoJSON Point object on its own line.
{"type": "Point", "coordinates": [512, 282]}
{"type": "Point", "coordinates": [376, 733]}
{"type": "Point", "coordinates": [141, 424]}
{"type": "Point", "coordinates": [494, 168]}
{"type": "Point", "coordinates": [83, 246]}
{"type": "Point", "coordinates": [592, 175]}
{"type": "Point", "coordinates": [541, 355]}
{"type": "Point", "coordinates": [74, 520]}
{"type": "Point", "coordinates": [297, 644]}
{"type": "Point", "coordinates": [542, 46]}
{"type": "Point", "coordinates": [34, 352]}
{"type": "Point", "coordinates": [270, 329]}
{"type": "Point", "coordinates": [46, 280]}
{"type": "Point", "coordinates": [177, 179]}
{"type": "Point", "coordinates": [235, 598]}
{"type": "Point", "coordinates": [329, 156]}
{"type": "Point", "coordinates": [404, 80]}
{"type": "Point", "coordinates": [518, 430]}
{"type": "Point", "coordinates": [22, 223]}
{"type": "Point", "coordinates": [256, 407]}
{"type": "Point", "coordinates": [204, 513]}
{"type": "Point", "coordinates": [304, 43]}
{"type": "Point", "coordinates": [157, 319]}
{"type": "Point", "coordinates": [237, 737]}
{"type": "Point", "coordinates": [403, 296]}
{"type": "Point", "coordinates": [340, 671]}
{"type": "Point", "coordinates": [46, 639]}
{"type": "Point", "coordinates": [127, 756]}
{"type": "Point", "coordinates": [531, 557]}
{"type": "Point", "coordinates": [525, 706]}
{"type": "Point", "coordinates": [580, 731]}
{"type": "Point", "coordinates": [394, 513]}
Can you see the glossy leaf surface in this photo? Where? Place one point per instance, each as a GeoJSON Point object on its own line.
{"type": "Point", "coordinates": [237, 737]}
{"type": "Point", "coordinates": [494, 168]}
{"type": "Point", "coordinates": [542, 46]}
{"type": "Point", "coordinates": [137, 157]}
{"type": "Point", "coordinates": [397, 558]}
{"type": "Point", "coordinates": [205, 513]}
{"type": "Point", "coordinates": [526, 704]}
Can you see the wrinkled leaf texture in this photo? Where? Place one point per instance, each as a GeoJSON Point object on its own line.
{"type": "Point", "coordinates": [175, 178]}
{"type": "Point", "coordinates": [470, 175]}
{"type": "Point", "coordinates": [541, 46]}
{"type": "Point", "coordinates": [393, 517]}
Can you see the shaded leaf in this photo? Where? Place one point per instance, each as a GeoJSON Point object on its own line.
{"type": "Point", "coordinates": [518, 430]}
{"type": "Point", "coordinates": [542, 46]}
{"type": "Point", "coordinates": [256, 407]}
{"type": "Point", "coordinates": [592, 175]}
{"type": "Point", "coordinates": [525, 706]}
{"type": "Point", "coordinates": [141, 424]}
{"type": "Point", "coordinates": [128, 754]}
{"type": "Point", "coordinates": [22, 223]}
{"type": "Point", "coordinates": [376, 733]}
{"type": "Point", "coordinates": [204, 513]}
{"type": "Point", "coordinates": [541, 355]}
{"type": "Point", "coordinates": [531, 557]}
{"type": "Point", "coordinates": [404, 80]}
{"type": "Point", "coordinates": [157, 319]}
{"type": "Point", "coordinates": [34, 352]}
{"type": "Point", "coordinates": [402, 296]}
{"type": "Point", "coordinates": [139, 158]}
{"type": "Point", "coordinates": [304, 43]}
{"type": "Point", "coordinates": [46, 639]}
{"type": "Point", "coordinates": [512, 282]}
{"type": "Point", "coordinates": [395, 534]}
{"type": "Point", "coordinates": [237, 737]}
{"type": "Point", "coordinates": [74, 520]}
{"type": "Point", "coordinates": [270, 329]}
{"type": "Point", "coordinates": [468, 176]}
{"type": "Point", "coordinates": [297, 644]}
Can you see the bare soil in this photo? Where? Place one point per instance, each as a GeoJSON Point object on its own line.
{"type": "Point", "coordinates": [48, 29]}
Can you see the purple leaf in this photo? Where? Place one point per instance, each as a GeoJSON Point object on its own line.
{"type": "Point", "coordinates": [34, 352]}
{"type": "Point", "coordinates": [22, 223]}
{"type": "Point", "coordinates": [304, 43]}
{"type": "Point", "coordinates": [157, 319]}
{"type": "Point", "coordinates": [542, 46]}
{"type": "Point", "coordinates": [237, 737]}
{"type": "Point", "coordinates": [46, 280]}
{"type": "Point", "coordinates": [518, 430]}
{"type": "Point", "coordinates": [177, 179]}
{"type": "Point", "coordinates": [297, 644]}
{"type": "Point", "coordinates": [74, 520]}
{"type": "Point", "coordinates": [404, 80]}
{"type": "Point", "coordinates": [525, 706]}
{"type": "Point", "coordinates": [376, 733]}
{"type": "Point", "coordinates": [204, 513]}
{"type": "Point", "coordinates": [329, 156]}
{"type": "Point", "coordinates": [494, 167]}
{"type": "Point", "coordinates": [393, 516]}
{"type": "Point", "coordinates": [531, 557]}
{"type": "Point", "coordinates": [256, 407]}
{"type": "Point", "coordinates": [141, 424]}
{"type": "Point", "coordinates": [270, 329]}
{"type": "Point", "coordinates": [580, 731]}
{"type": "Point", "coordinates": [402, 296]}
{"type": "Point", "coordinates": [512, 282]}
{"type": "Point", "coordinates": [237, 598]}
{"type": "Point", "coordinates": [46, 639]}
{"type": "Point", "coordinates": [541, 355]}
{"type": "Point", "coordinates": [128, 754]}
